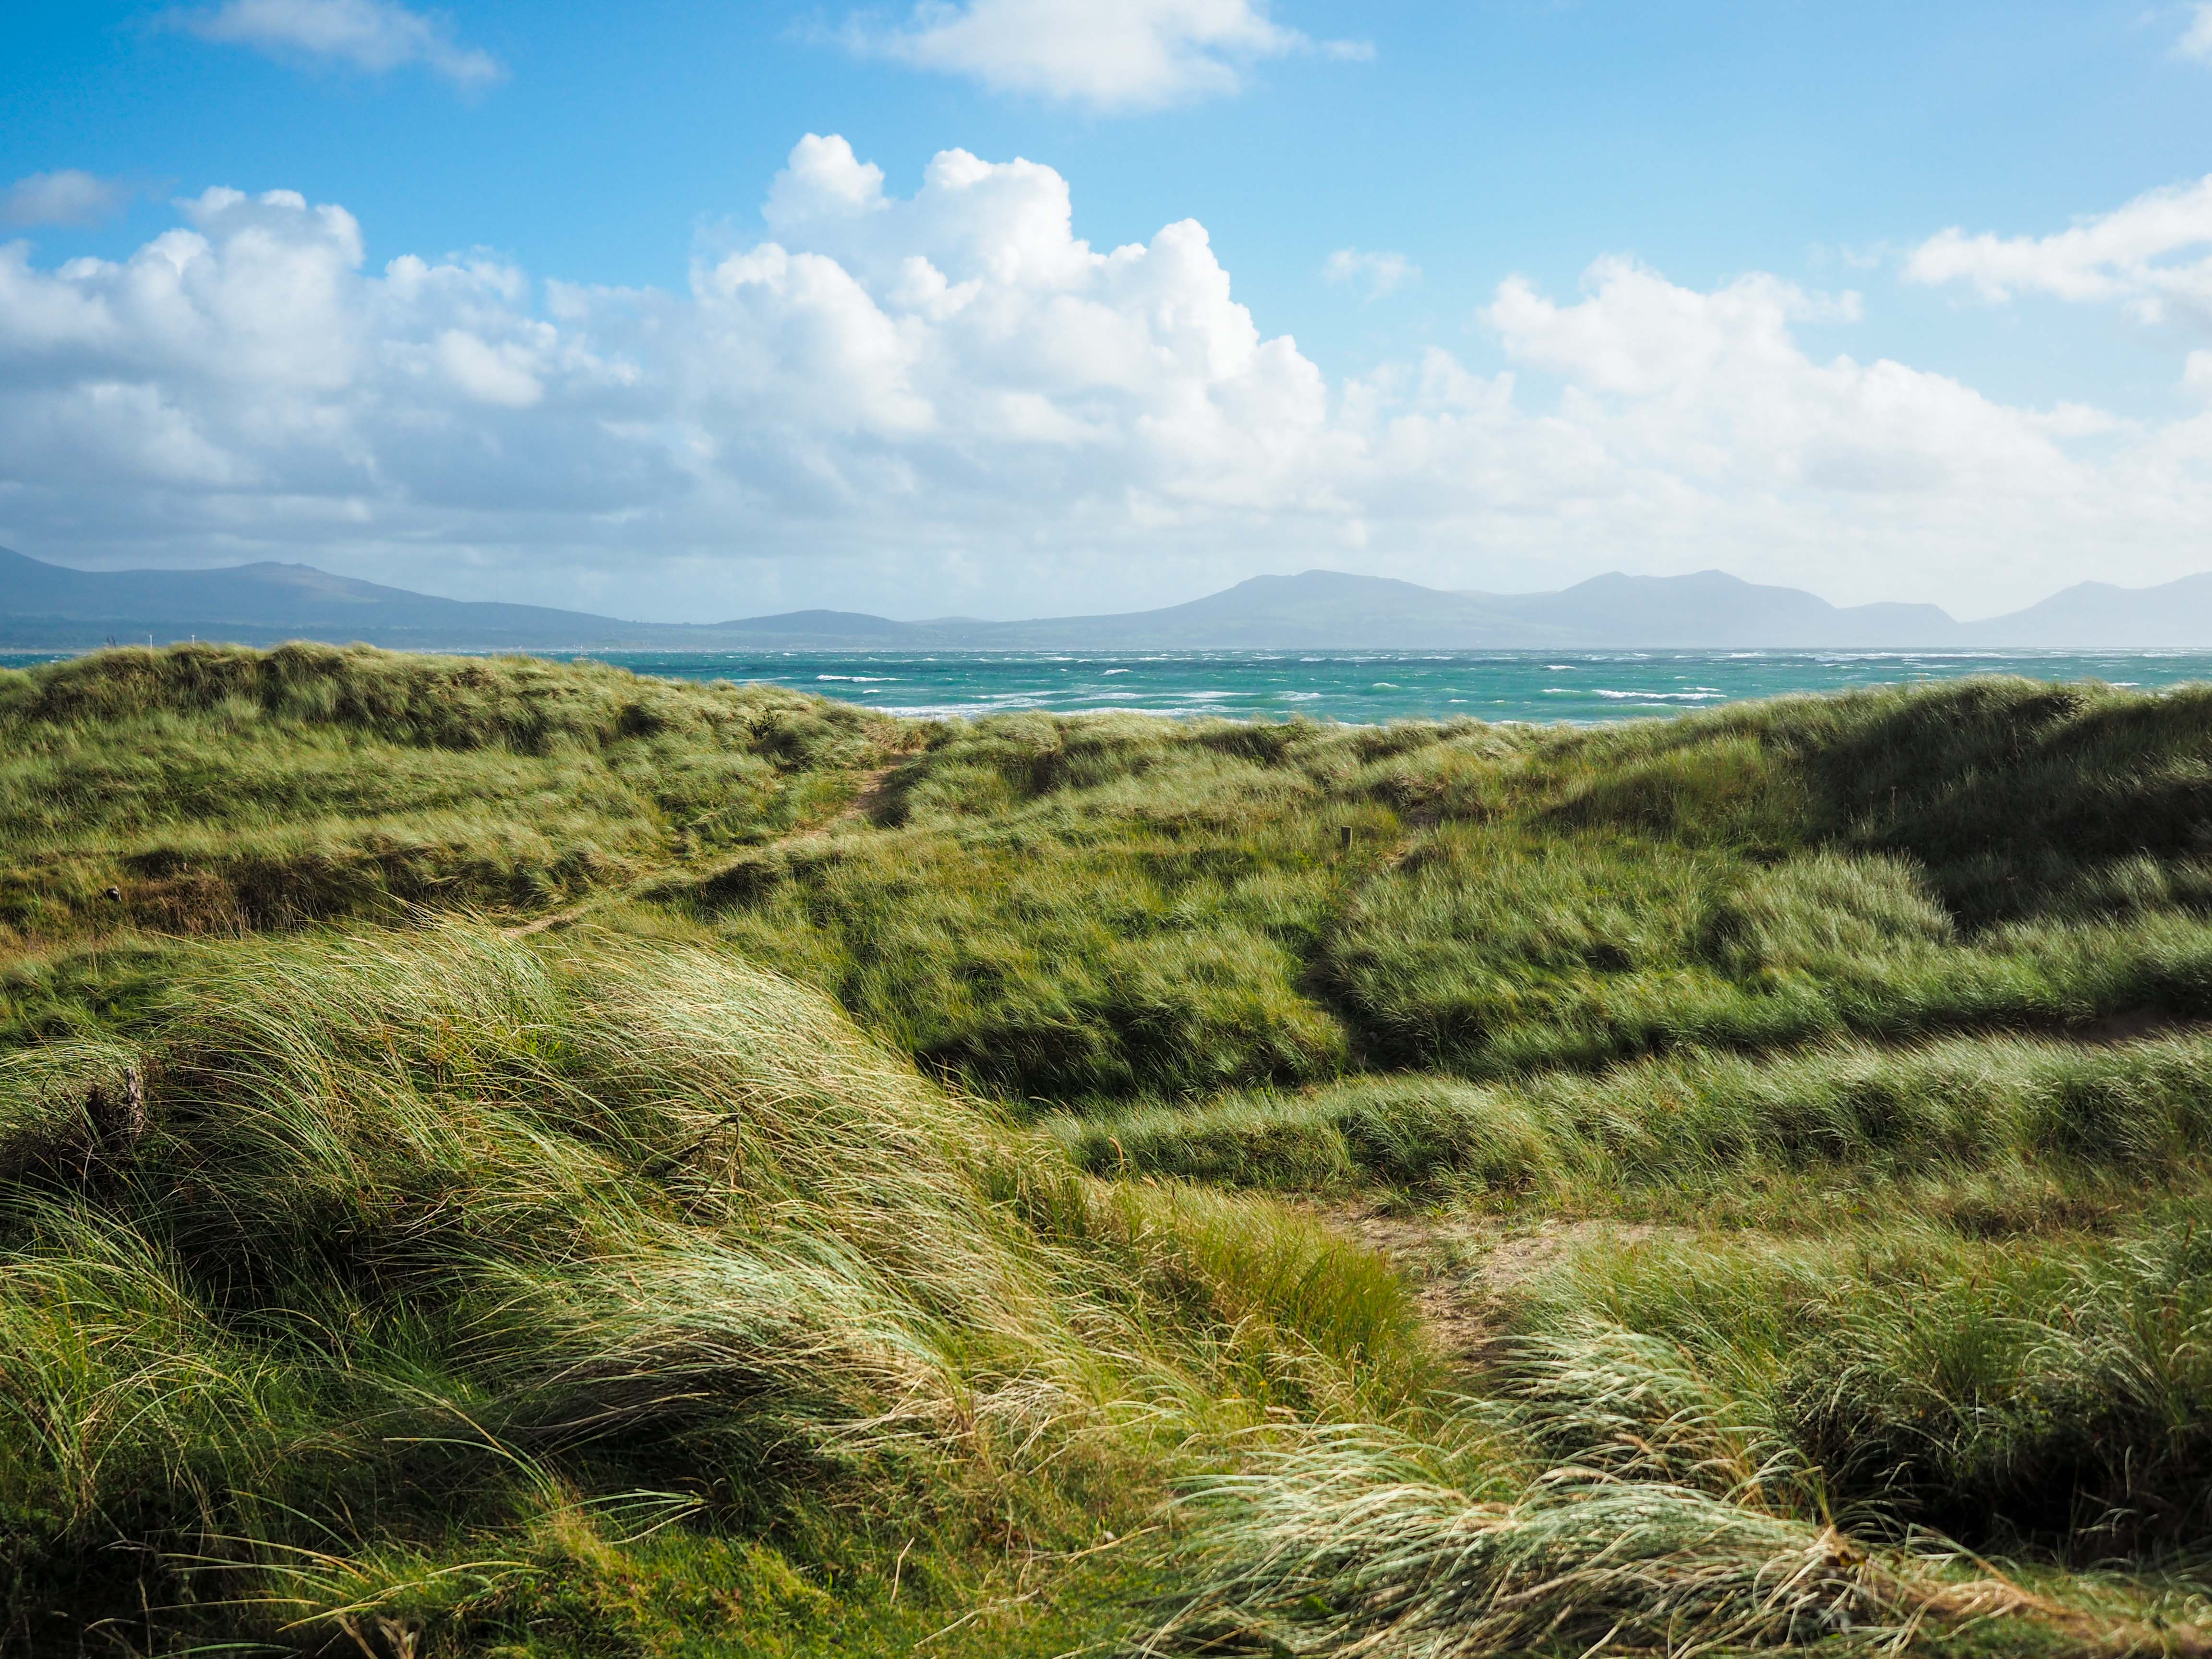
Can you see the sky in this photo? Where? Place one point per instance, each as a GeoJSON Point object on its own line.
{"type": "Point", "coordinates": [682, 311]}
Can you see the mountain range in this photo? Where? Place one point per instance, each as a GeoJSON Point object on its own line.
{"type": "Point", "coordinates": [49, 607]}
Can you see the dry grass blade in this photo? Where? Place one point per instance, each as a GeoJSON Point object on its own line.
{"type": "Point", "coordinates": [1349, 1544]}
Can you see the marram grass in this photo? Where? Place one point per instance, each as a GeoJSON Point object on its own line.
{"type": "Point", "coordinates": [1351, 1544]}
{"type": "Point", "coordinates": [1701, 1122]}
{"type": "Point", "coordinates": [498, 1156]}
{"type": "Point", "coordinates": [426, 1236]}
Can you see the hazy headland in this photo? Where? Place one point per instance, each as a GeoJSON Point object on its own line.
{"type": "Point", "coordinates": [506, 1156]}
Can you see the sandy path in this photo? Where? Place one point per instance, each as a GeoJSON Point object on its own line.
{"type": "Point", "coordinates": [1462, 1267]}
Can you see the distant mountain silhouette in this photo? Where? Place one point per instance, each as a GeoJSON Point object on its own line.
{"type": "Point", "coordinates": [45, 606]}
{"type": "Point", "coordinates": [48, 607]}
{"type": "Point", "coordinates": [1327, 607]}
{"type": "Point", "coordinates": [2177, 613]}
{"type": "Point", "coordinates": [1715, 610]}
{"type": "Point", "coordinates": [1321, 608]}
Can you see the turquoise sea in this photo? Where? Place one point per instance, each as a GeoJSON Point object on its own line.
{"type": "Point", "coordinates": [1370, 686]}
{"type": "Point", "coordinates": [1373, 686]}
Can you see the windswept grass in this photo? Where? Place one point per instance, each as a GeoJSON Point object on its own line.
{"type": "Point", "coordinates": [217, 788]}
{"type": "Point", "coordinates": [535, 1239]}
{"type": "Point", "coordinates": [873, 1209]}
{"type": "Point", "coordinates": [1032, 966]}
{"type": "Point", "coordinates": [1116, 908]}
{"type": "Point", "coordinates": [1357, 1543]}
{"type": "Point", "coordinates": [1705, 1128]}
{"type": "Point", "coordinates": [2054, 1393]}
{"type": "Point", "coordinates": [1109, 908]}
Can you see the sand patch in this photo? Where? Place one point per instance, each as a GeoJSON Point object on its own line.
{"type": "Point", "coordinates": [1463, 1267]}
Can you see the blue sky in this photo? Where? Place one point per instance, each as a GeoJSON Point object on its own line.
{"type": "Point", "coordinates": [1572, 287]}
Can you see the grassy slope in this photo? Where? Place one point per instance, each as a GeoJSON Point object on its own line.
{"type": "Point", "coordinates": [214, 786]}
{"type": "Point", "coordinates": [549, 1246]}
{"type": "Point", "coordinates": [1116, 908]}
{"type": "Point", "coordinates": [606, 1291]}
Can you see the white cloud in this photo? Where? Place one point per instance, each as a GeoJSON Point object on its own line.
{"type": "Point", "coordinates": [1129, 54]}
{"type": "Point", "coordinates": [374, 36]}
{"type": "Point", "coordinates": [950, 402]}
{"type": "Point", "coordinates": [1639, 334]}
{"type": "Point", "coordinates": [502, 374]}
{"type": "Point", "coordinates": [2197, 40]}
{"type": "Point", "coordinates": [2126, 255]}
{"type": "Point", "coordinates": [68, 196]}
{"type": "Point", "coordinates": [1712, 392]}
{"type": "Point", "coordinates": [1380, 273]}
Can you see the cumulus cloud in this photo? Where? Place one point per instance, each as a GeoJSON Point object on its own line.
{"type": "Point", "coordinates": [70, 197]}
{"type": "Point", "coordinates": [1379, 273]}
{"type": "Point", "coordinates": [1133, 54]}
{"type": "Point", "coordinates": [374, 36]}
{"type": "Point", "coordinates": [1714, 386]}
{"type": "Point", "coordinates": [2128, 255]}
{"type": "Point", "coordinates": [951, 401]}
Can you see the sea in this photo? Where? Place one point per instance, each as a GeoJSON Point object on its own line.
{"type": "Point", "coordinates": [1370, 687]}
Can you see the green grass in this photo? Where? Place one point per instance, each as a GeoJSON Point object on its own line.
{"type": "Point", "coordinates": [540, 1242]}
{"type": "Point", "coordinates": [1109, 908]}
{"type": "Point", "coordinates": [215, 789]}
{"type": "Point", "coordinates": [896, 1201]}
{"type": "Point", "coordinates": [1357, 1543]}
{"type": "Point", "coordinates": [1697, 1126]}
{"type": "Point", "coordinates": [2053, 1393]}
